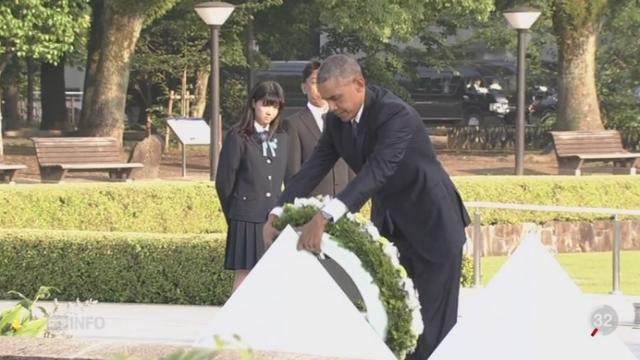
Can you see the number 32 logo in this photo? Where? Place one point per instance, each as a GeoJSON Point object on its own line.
{"type": "Point", "coordinates": [605, 319]}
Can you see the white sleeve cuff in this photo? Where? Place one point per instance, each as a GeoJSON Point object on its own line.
{"type": "Point", "coordinates": [277, 211]}
{"type": "Point", "coordinates": [335, 208]}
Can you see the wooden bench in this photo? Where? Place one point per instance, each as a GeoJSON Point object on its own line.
{"type": "Point", "coordinates": [57, 156]}
{"type": "Point", "coordinates": [7, 171]}
{"type": "Point", "coordinates": [574, 148]}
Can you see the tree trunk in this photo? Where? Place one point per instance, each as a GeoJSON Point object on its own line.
{"type": "Point", "coordinates": [106, 108]}
{"type": "Point", "coordinates": [11, 115]}
{"type": "Point", "coordinates": [94, 50]}
{"type": "Point", "coordinates": [54, 107]}
{"type": "Point", "coordinates": [578, 107]}
{"type": "Point", "coordinates": [4, 61]}
{"type": "Point", "coordinates": [202, 83]}
{"type": "Point", "coordinates": [576, 29]}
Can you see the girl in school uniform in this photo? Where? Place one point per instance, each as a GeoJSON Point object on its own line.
{"type": "Point", "coordinates": [250, 175]}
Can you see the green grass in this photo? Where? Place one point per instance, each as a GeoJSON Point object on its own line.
{"type": "Point", "coordinates": [591, 271]}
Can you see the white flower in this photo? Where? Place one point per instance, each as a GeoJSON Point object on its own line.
{"type": "Point", "coordinates": [372, 230]}
{"type": "Point", "coordinates": [395, 262]}
{"type": "Point", "coordinates": [391, 250]}
{"type": "Point", "coordinates": [417, 326]}
{"type": "Point", "coordinates": [300, 202]}
{"type": "Point", "coordinates": [412, 295]}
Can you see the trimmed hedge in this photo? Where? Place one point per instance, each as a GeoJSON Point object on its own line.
{"type": "Point", "coordinates": [159, 207]}
{"type": "Point", "coordinates": [188, 268]}
{"type": "Point", "coordinates": [607, 191]}
{"type": "Point", "coordinates": [116, 267]}
{"type": "Point", "coordinates": [123, 267]}
{"type": "Point", "coordinates": [192, 207]}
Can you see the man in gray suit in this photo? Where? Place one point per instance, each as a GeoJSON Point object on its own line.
{"type": "Point", "coordinates": [304, 129]}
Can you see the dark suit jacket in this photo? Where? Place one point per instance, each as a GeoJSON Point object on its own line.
{"type": "Point", "coordinates": [304, 134]}
{"type": "Point", "coordinates": [248, 184]}
{"type": "Point", "coordinates": [412, 196]}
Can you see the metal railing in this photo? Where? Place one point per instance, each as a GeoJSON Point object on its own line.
{"type": "Point", "coordinates": [617, 231]}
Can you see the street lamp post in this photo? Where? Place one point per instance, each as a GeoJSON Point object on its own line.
{"type": "Point", "coordinates": [214, 14]}
{"type": "Point", "coordinates": [521, 19]}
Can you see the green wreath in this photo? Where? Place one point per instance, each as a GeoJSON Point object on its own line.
{"type": "Point", "coordinates": [379, 258]}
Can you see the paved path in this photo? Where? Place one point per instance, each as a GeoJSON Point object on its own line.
{"type": "Point", "coordinates": [181, 324]}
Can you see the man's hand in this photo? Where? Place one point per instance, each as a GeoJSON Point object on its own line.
{"type": "Point", "coordinates": [311, 236]}
{"type": "Point", "coordinates": [269, 233]}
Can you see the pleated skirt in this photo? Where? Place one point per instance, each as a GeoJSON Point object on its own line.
{"type": "Point", "coordinates": [245, 245]}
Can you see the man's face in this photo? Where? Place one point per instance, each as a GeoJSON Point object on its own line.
{"type": "Point", "coordinates": [310, 88]}
{"type": "Point", "coordinates": [344, 96]}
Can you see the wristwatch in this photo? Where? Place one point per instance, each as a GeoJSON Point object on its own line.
{"type": "Point", "coordinates": [326, 216]}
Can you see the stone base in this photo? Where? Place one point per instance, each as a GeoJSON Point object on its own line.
{"type": "Point", "coordinates": [559, 237]}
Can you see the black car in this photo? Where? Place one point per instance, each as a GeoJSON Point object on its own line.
{"type": "Point", "coordinates": [440, 97]}
{"type": "Point", "coordinates": [448, 98]}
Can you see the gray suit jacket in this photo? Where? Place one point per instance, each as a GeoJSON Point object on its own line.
{"type": "Point", "coordinates": [304, 134]}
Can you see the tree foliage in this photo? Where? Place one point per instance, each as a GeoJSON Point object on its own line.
{"type": "Point", "coordinates": [389, 37]}
{"type": "Point", "coordinates": [618, 71]}
{"type": "Point", "coordinates": [40, 29]}
{"type": "Point", "coordinates": [180, 41]}
{"type": "Point", "coordinates": [116, 26]}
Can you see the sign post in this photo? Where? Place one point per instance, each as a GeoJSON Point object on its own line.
{"type": "Point", "coordinates": [190, 131]}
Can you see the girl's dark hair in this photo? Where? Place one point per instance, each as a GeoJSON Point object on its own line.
{"type": "Point", "coordinates": [271, 93]}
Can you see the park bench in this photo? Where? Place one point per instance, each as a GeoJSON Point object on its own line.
{"type": "Point", "coordinates": [7, 171]}
{"type": "Point", "coordinates": [57, 156]}
{"type": "Point", "coordinates": [574, 148]}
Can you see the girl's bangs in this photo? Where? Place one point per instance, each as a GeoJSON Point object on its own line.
{"type": "Point", "coordinates": [272, 99]}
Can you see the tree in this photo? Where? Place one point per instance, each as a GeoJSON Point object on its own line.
{"type": "Point", "coordinates": [116, 26]}
{"type": "Point", "coordinates": [378, 31]}
{"type": "Point", "coordinates": [39, 29]}
{"type": "Point", "coordinates": [618, 72]}
{"type": "Point", "coordinates": [54, 109]}
{"type": "Point", "coordinates": [173, 51]}
{"type": "Point", "coordinates": [576, 24]}
{"type": "Point", "coordinates": [52, 83]}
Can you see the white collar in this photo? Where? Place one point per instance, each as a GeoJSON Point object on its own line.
{"type": "Point", "coordinates": [259, 128]}
{"type": "Point", "coordinates": [315, 110]}
{"type": "Point", "coordinates": [318, 113]}
{"type": "Point", "coordinates": [359, 114]}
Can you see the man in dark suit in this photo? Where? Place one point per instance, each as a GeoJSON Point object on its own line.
{"type": "Point", "coordinates": [414, 203]}
{"type": "Point", "coordinates": [304, 129]}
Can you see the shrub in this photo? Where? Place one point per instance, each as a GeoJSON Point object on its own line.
{"type": "Point", "coordinates": [192, 207]}
{"type": "Point", "coordinates": [605, 191]}
{"type": "Point", "coordinates": [116, 267]}
{"type": "Point", "coordinates": [160, 207]}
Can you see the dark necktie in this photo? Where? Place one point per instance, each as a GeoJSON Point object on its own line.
{"type": "Point", "coordinates": [354, 129]}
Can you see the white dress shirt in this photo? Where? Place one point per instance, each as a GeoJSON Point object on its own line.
{"type": "Point", "coordinates": [334, 207]}
{"type": "Point", "coordinates": [260, 128]}
{"type": "Point", "coordinates": [317, 113]}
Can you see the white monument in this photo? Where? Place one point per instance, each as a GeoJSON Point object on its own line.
{"type": "Point", "coordinates": [530, 310]}
{"type": "Point", "coordinates": [289, 303]}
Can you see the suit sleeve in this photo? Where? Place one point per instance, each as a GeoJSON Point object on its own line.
{"type": "Point", "coordinates": [294, 156]}
{"type": "Point", "coordinates": [394, 135]}
{"type": "Point", "coordinates": [230, 156]}
{"type": "Point", "coordinates": [322, 159]}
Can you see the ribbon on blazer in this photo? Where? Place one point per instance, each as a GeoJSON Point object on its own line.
{"type": "Point", "coordinates": [268, 145]}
